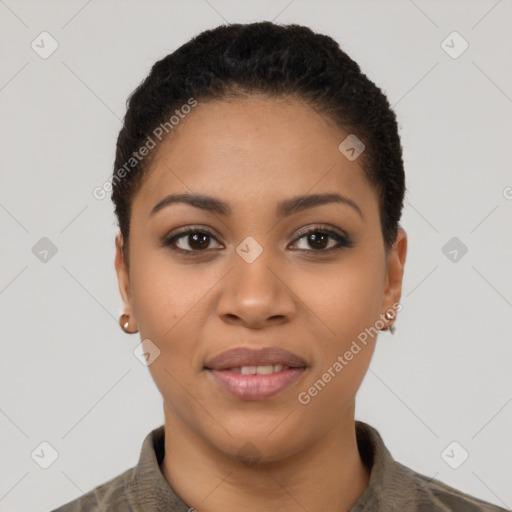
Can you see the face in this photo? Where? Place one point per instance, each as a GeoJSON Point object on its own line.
{"type": "Point", "coordinates": [254, 269]}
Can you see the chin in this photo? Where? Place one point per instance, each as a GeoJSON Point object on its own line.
{"type": "Point", "coordinates": [255, 446]}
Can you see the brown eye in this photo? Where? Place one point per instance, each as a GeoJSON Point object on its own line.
{"type": "Point", "coordinates": [190, 241]}
{"type": "Point", "coordinates": [198, 241]}
{"type": "Point", "coordinates": [318, 240]}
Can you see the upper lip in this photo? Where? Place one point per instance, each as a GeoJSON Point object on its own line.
{"type": "Point", "coordinates": [250, 357]}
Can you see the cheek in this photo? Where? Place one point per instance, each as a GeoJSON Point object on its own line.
{"type": "Point", "coordinates": [341, 300]}
{"type": "Point", "coordinates": [166, 296]}
{"type": "Point", "coordinates": [346, 303]}
{"type": "Point", "coordinates": [346, 306]}
{"type": "Point", "coordinates": [167, 302]}
{"type": "Point", "coordinates": [332, 389]}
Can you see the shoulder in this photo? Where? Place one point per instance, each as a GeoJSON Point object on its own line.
{"type": "Point", "coordinates": [110, 495]}
{"type": "Point", "coordinates": [142, 487]}
{"type": "Point", "coordinates": [394, 487]}
{"type": "Point", "coordinates": [434, 495]}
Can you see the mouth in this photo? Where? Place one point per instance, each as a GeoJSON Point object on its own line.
{"type": "Point", "coordinates": [255, 374]}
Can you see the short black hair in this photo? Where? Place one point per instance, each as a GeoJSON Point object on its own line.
{"type": "Point", "coordinates": [237, 60]}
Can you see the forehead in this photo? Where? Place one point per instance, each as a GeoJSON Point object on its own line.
{"type": "Point", "coordinates": [255, 149]}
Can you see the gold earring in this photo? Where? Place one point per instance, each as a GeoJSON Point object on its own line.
{"type": "Point", "coordinates": [124, 322]}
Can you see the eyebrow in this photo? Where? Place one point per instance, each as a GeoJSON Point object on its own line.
{"type": "Point", "coordinates": [284, 208]}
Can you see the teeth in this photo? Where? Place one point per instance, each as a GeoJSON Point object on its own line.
{"type": "Point", "coordinates": [265, 370]}
{"type": "Point", "coordinates": [261, 370]}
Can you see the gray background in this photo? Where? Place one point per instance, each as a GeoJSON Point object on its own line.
{"type": "Point", "coordinates": [68, 374]}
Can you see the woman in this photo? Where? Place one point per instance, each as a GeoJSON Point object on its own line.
{"type": "Point", "coordinates": [258, 185]}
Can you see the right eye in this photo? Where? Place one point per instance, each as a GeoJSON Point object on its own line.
{"type": "Point", "coordinates": [198, 240]}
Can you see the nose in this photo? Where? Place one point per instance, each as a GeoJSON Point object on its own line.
{"type": "Point", "coordinates": [256, 294]}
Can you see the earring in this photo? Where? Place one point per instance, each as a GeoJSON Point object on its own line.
{"type": "Point", "coordinates": [390, 316]}
{"type": "Point", "coordinates": [124, 322]}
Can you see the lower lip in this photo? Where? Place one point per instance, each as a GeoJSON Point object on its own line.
{"type": "Point", "coordinates": [256, 387]}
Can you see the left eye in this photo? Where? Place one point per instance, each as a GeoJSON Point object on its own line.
{"type": "Point", "coordinates": [319, 239]}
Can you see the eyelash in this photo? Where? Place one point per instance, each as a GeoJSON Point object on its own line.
{"type": "Point", "coordinates": [342, 240]}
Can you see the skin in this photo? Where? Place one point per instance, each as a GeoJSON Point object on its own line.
{"type": "Point", "coordinates": [253, 153]}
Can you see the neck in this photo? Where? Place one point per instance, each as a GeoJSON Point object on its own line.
{"type": "Point", "coordinates": [326, 476]}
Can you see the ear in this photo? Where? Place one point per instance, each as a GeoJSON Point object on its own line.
{"type": "Point", "coordinates": [123, 280]}
{"type": "Point", "coordinates": [395, 272]}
